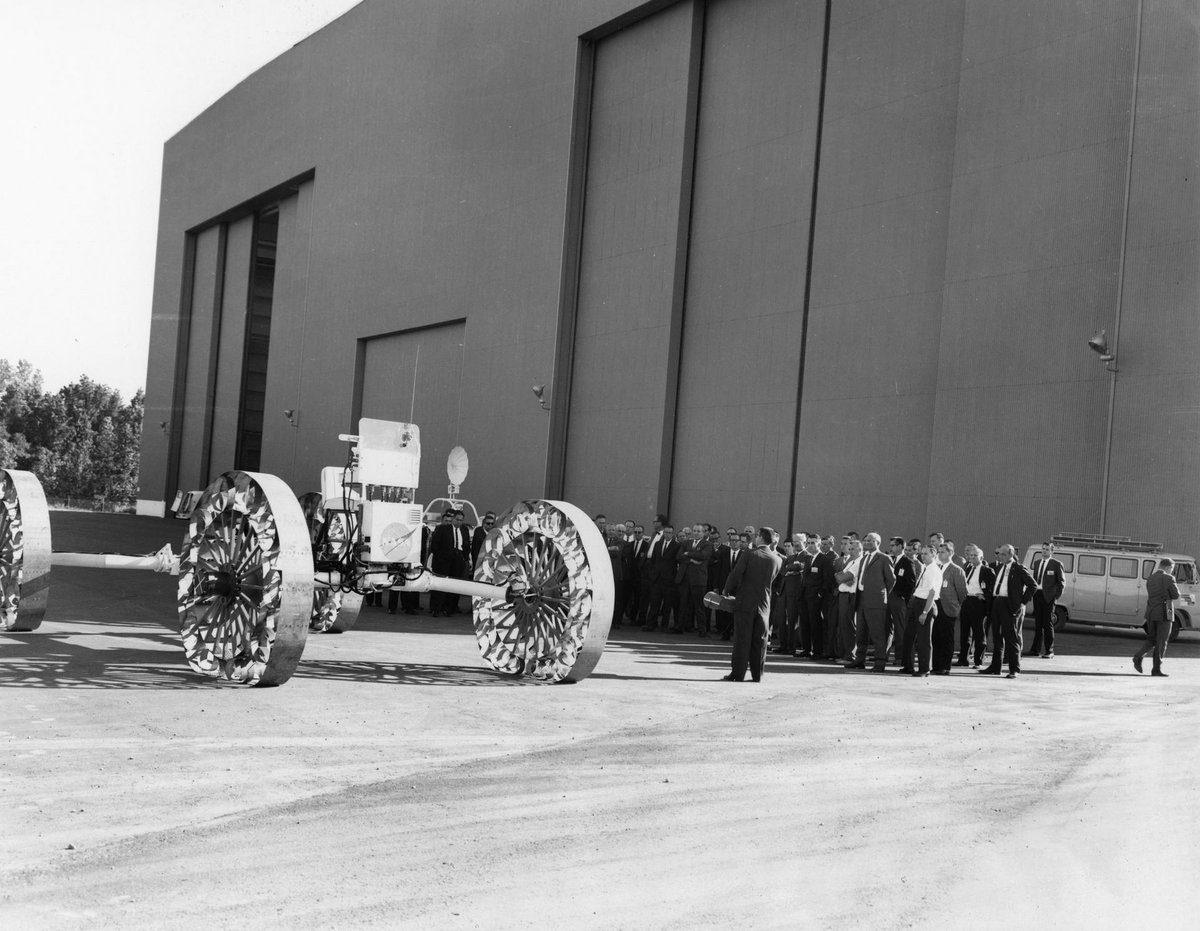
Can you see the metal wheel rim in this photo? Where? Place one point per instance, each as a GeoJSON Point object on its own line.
{"type": "Point", "coordinates": [245, 583]}
{"type": "Point", "coordinates": [557, 632]}
{"type": "Point", "coordinates": [24, 551]}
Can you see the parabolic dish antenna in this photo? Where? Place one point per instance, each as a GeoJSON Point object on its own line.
{"type": "Point", "coordinates": [456, 465]}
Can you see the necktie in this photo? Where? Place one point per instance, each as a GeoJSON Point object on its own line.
{"type": "Point", "coordinates": [919, 578]}
{"type": "Point", "coordinates": [1041, 571]}
{"type": "Point", "coordinates": [970, 573]}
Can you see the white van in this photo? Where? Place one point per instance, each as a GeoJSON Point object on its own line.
{"type": "Point", "coordinates": [1104, 581]}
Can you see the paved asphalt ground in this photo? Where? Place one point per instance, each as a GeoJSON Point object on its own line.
{"type": "Point", "coordinates": [394, 782]}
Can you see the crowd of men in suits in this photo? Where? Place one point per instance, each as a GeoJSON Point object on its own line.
{"type": "Point", "coordinates": [844, 600]}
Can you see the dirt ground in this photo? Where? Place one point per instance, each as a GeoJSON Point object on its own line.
{"type": "Point", "coordinates": [395, 782]}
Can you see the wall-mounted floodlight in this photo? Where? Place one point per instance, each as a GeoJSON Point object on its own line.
{"type": "Point", "coordinates": [539, 392]}
{"type": "Point", "coordinates": [292, 418]}
{"type": "Point", "coordinates": [1099, 345]}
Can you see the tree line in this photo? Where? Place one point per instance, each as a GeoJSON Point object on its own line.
{"type": "Point", "coordinates": [81, 441]}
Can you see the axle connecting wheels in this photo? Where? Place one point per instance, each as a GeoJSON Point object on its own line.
{"type": "Point", "coordinates": [246, 581]}
{"type": "Point", "coordinates": [24, 551]}
{"type": "Point", "coordinates": [555, 622]}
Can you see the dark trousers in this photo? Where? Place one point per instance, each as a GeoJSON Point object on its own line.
{"type": "Point", "coordinates": [724, 624]}
{"type": "Point", "coordinates": [628, 608]}
{"type": "Point", "coordinates": [1158, 634]}
{"type": "Point", "coordinates": [898, 614]}
{"type": "Point", "coordinates": [750, 633]}
{"type": "Point", "coordinates": [917, 636]}
{"type": "Point", "coordinates": [645, 591]}
{"type": "Point", "coordinates": [872, 624]}
{"type": "Point", "coordinates": [943, 640]}
{"type": "Point", "coordinates": [1006, 636]}
{"type": "Point", "coordinates": [410, 601]}
{"type": "Point", "coordinates": [970, 630]}
{"type": "Point", "coordinates": [664, 605]}
{"type": "Point", "coordinates": [846, 628]}
{"type": "Point", "coordinates": [812, 625]}
{"type": "Point", "coordinates": [693, 613]}
{"type": "Point", "coordinates": [832, 642]}
{"type": "Point", "coordinates": [793, 624]}
{"type": "Point", "coordinates": [1043, 624]}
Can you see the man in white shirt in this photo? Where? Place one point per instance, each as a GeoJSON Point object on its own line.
{"type": "Point", "coordinates": [922, 609]}
{"type": "Point", "coordinates": [847, 596]}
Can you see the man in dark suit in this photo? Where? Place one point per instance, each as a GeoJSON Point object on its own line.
{"type": "Point", "coordinates": [614, 545]}
{"type": "Point", "coordinates": [786, 614]}
{"type": "Point", "coordinates": [444, 561]}
{"type": "Point", "coordinates": [480, 534]}
{"type": "Point", "coordinates": [723, 561]}
{"type": "Point", "coordinates": [975, 607]}
{"type": "Point", "coordinates": [1161, 593]}
{"type": "Point", "coordinates": [1014, 587]}
{"type": "Point", "coordinates": [949, 607]}
{"type": "Point", "coordinates": [463, 568]}
{"type": "Point", "coordinates": [832, 562]}
{"type": "Point", "coordinates": [905, 571]}
{"type": "Point", "coordinates": [1048, 573]}
{"type": "Point", "coordinates": [750, 584]}
{"type": "Point", "coordinates": [632, 556]}
{"type": "Point", "coordinates": [662, 563]}
{"type": "Point", "coordinates": [812, 593]}
{"type": "Point", "coordinates": [875, 580]}
{"type": "Point", "coordinates": [695, 559]}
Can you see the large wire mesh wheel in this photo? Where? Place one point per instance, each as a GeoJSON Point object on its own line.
{"type": "Point", "coordinates": [24, 551]}
{"type": "Point", "coordinates": [246, 581]}
{"type": "Point", "coordinates": [556, 623]}
{"type": "Point", "coordinates": [333, 610]}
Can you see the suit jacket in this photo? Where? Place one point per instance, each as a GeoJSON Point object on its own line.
{"type": "Point", "coordinates": [793, 571]}
{"type": "Point", "coordinates": [906, 577]}
{"type": "Point", "coordinates": [662, 563]}
{"type": "Point", "coordinates": [629, 559]}
{"type": "Point", "coordinates": [827, 563]}
{"type": "Point", "coordinates": [750, 581]}
{"type": "Point", "coordinates": [722, 565]}
{"type": "Point", "coordinates": [447, 555]}
{"type": "Point", "coordinates": [1018, 589]}
{"type": "Point", "coordinates": [1161, 592]}
{"type": "Point", "coordinates": [877, 578]}
{"type": "Point", "coordinates": [954, 590]}
{"type": "Point", "coordinates": [987, 584]}
{"type": "Point", "coordinates": [699, 556]}
{"type": "Point", "coordinates": [464, 545]}
{"type": "Point", "coordinates": [477, 539]}
{"type": "Point", "coordinates": [1052, 579]}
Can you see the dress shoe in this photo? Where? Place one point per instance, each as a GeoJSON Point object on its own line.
{"type": "Point", "coordinates": [941, 672]}
{"type": "Point", "coordinates": [989, 672]}
{"type": "Point", "coordinates": [756, 679]}
{"type": "Point", "coordinates": [1159, 673]}
{"type": "Point", "coordinates": [648, 629]}
{"type": "Point", "coordinates": [918, 675]}
{"type": "Point", "coordinates": [726, 637]}
{"type": "Point", "coordinates": [908, 670]}
{"type": "Point", "coordinates": [854, 665]}
{"type": "Point", "coordinates": [1012, 675]}
{"type": "Point", "coordinates": [1137, 663]}
{"type": "Point", "coordinates": [701, 634]}
{"type": "Point", "coordinates": [978, 664]}
{"type": "Point", "coordinates": [391, 610]}
{"type": "Point", "coordinates": [437, 613]}
{"type": "Point", "coordinates": [962, 662]}
{"type": "Point", "coordinates": [878, 669]}
{"type": "Point", "coordinates": [1047, 656]}
{"type": "Point", "coordinates": [730, 678]}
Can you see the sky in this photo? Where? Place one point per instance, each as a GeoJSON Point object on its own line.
{"type": "Point", "coordinates": [92, 89]}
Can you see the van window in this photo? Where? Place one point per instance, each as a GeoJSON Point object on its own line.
{"type": "Point", "coordinates": [1148, 568]}
{"type": "Point", "coordinates": [1091, 565]}
{"type": "Point", "coordinates": [1122, 568]}
{"type": "Point", "coordinates": [1067, 560]}
{"type": "Point", "coordinates": [1185, 572]}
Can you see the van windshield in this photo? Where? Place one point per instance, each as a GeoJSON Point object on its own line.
{"type": "Point", "coordinates": [1185, 572]}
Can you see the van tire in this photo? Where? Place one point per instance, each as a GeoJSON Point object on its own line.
{"type": "Point", "coordinates": [1060, 618]}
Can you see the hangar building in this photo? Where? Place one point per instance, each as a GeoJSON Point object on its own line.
{"type": "Point", "coordinates": [816, 263]}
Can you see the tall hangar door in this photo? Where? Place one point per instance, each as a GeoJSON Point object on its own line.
{"type": "Point", "coordinates": [627, 262]}
{"type": "Point", "coordinates": [735, 421]}
{"type": "Point", "coordinates": [245, 289]}
{"type": "Point", "coordinates": [415, 376]}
